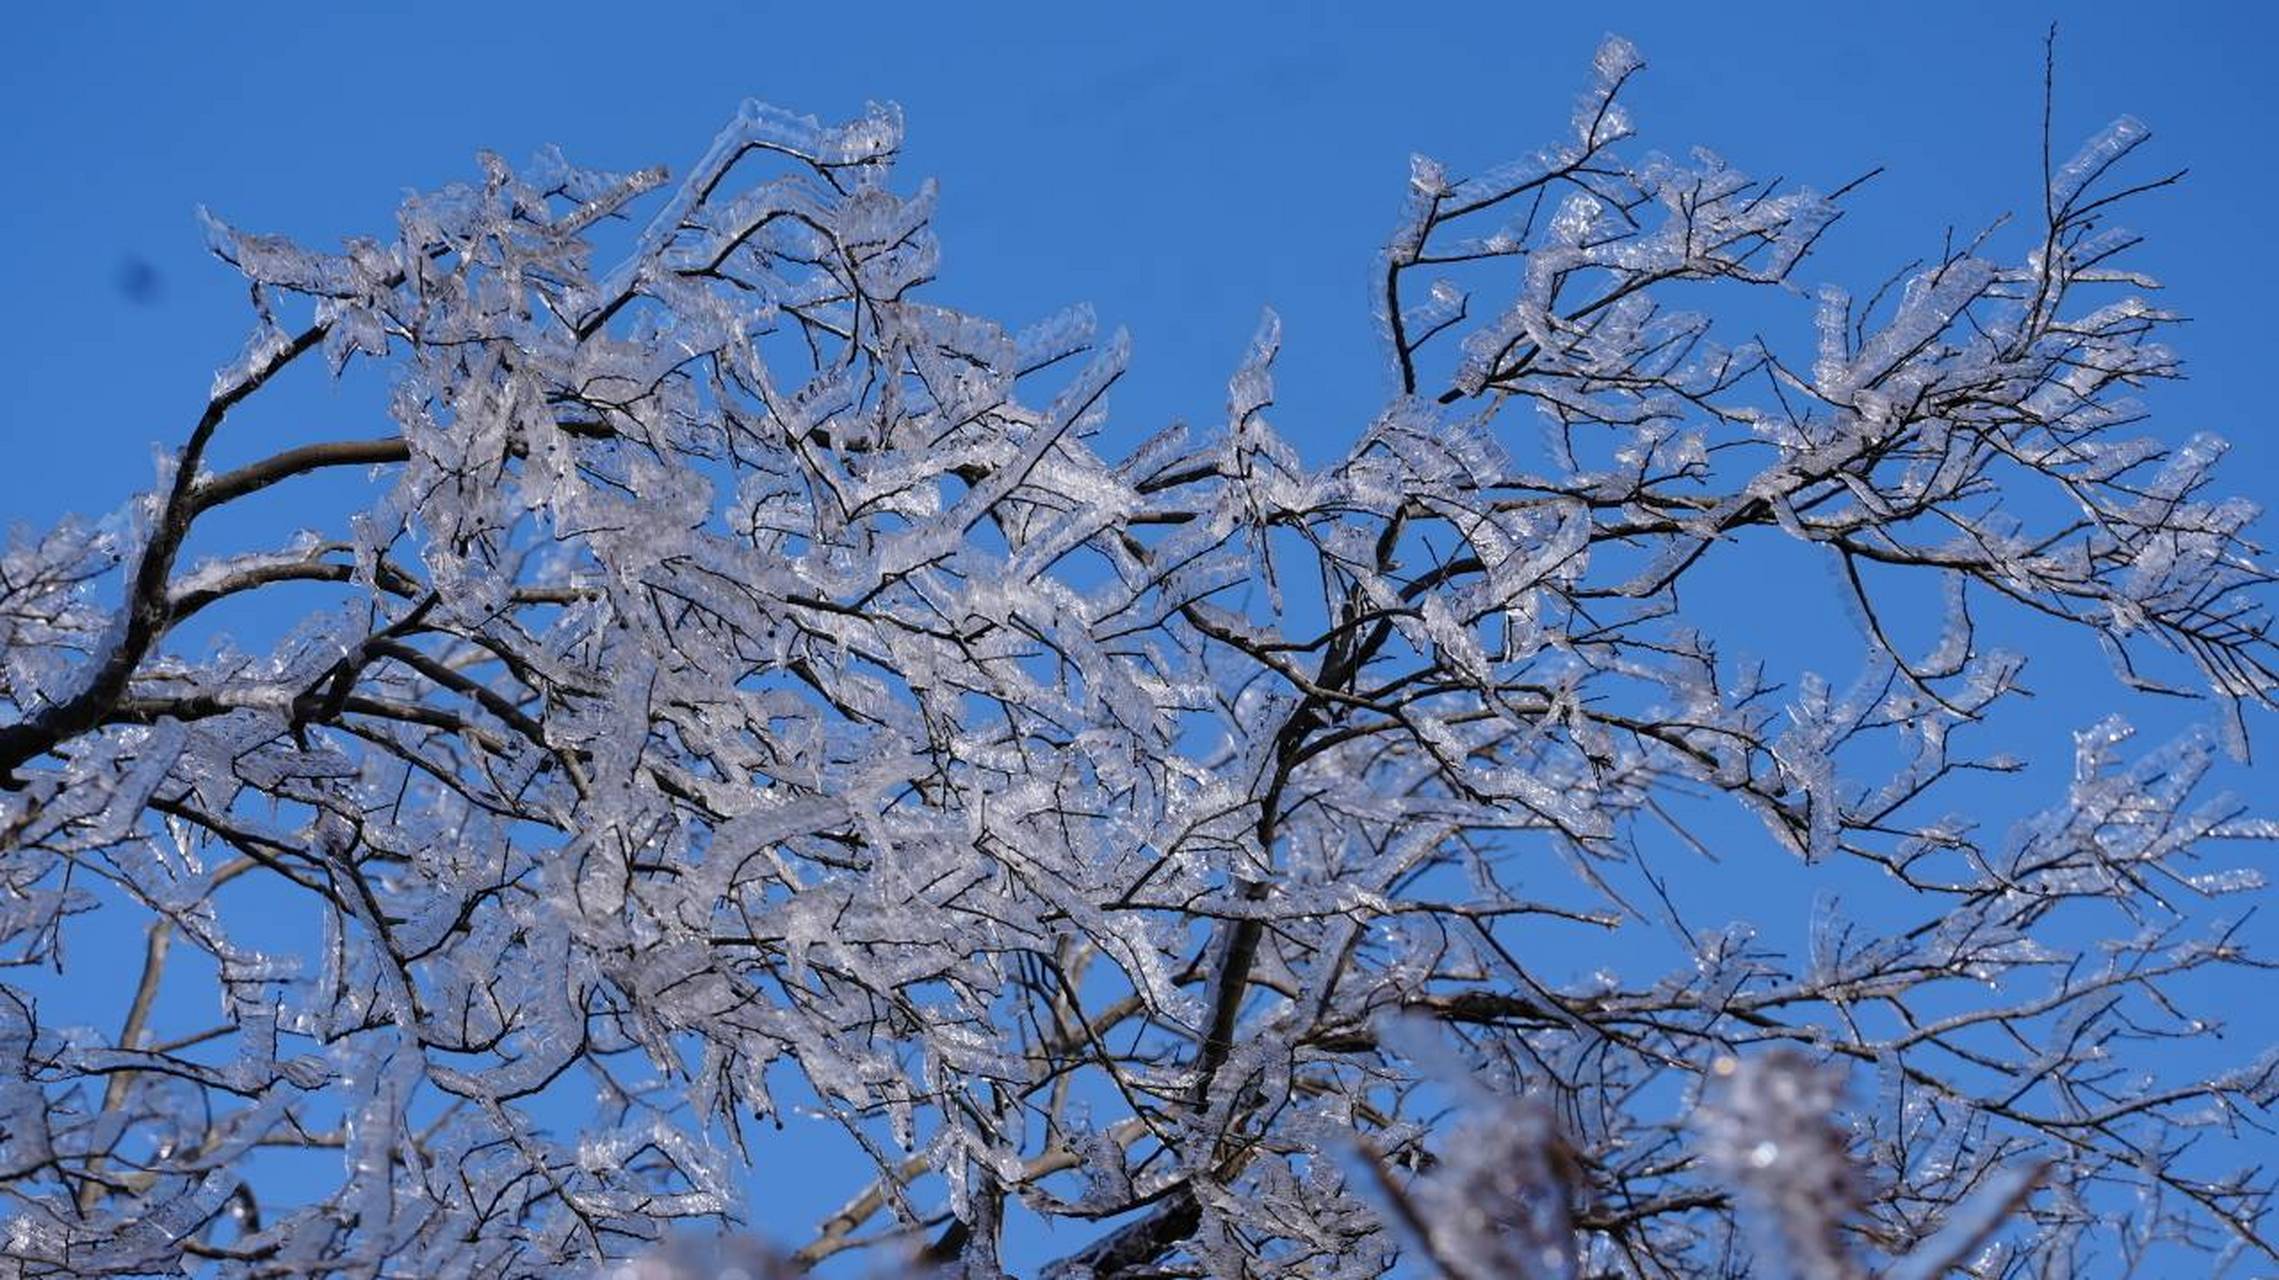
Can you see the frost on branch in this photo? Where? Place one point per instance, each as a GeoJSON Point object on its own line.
{"type": "Point", "coordinates": [753, 686]}
{"type": "Point", "coordinates": [1770, 1129]}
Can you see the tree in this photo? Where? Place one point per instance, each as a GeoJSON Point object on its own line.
{"type": "Point", "coordinates": [751, 680]}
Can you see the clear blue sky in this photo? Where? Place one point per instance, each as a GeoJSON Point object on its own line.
{"type": "Point", "coordinates": [1177, 170]}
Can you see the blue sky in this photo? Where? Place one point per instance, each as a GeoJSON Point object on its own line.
{"type": "Point", "coordinates": [1177, 170]}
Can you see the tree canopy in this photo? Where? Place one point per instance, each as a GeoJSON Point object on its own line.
{"type": "Point", "coordinates": [752, 685]}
